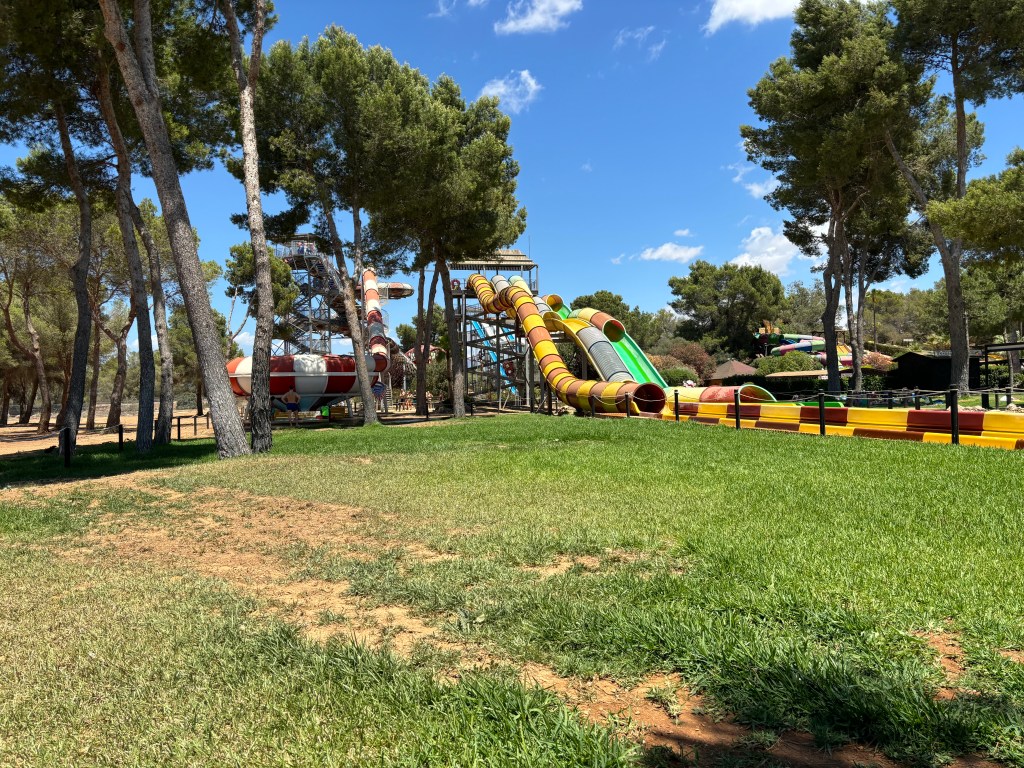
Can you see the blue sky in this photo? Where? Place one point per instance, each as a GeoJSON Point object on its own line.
{"type": "Point", "coordinates": [626, 123]}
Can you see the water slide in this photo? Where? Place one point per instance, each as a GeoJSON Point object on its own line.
{"type": "Point", "coordinates": [628, 351]}
{"type": "Point", "coordinates": [600, 353]}
{"type": "Point", "coordinates": [517, 302]}
{"type": "Point", "coordinates": [490, 350]}
{"type": "Point", "coordinates": [322, 379]}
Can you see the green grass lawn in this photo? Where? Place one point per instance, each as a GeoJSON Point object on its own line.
{"type": "Point", "coordinates": [786, 577]}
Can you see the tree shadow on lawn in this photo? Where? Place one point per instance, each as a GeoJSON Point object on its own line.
{"type": "Point", "coordinates": [892, 710]}
{"type": "Point", "coordinates": [104, 460]}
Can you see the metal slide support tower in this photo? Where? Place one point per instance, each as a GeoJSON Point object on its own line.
{"type": "Point", "coordinates": [500, 368]}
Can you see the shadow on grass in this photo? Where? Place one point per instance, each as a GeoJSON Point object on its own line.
{"type": "Point", "coordinates": [102, 461]}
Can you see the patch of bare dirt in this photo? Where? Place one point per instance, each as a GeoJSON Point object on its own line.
{"type": "Point", "coordinates": [425, 554]}
{"type": "Point", "coordinates": [660, 712]}
{"type": "Point", "coordinates": [1015, 656]}
{"type": "Point", "coordinates": [950, 657]}
{"type": "Point", "coordinates": [18, 439]}
{"type": "Point", "coordinates": [240, 538]}
{"type": "Point", "coordinates": [563, 564]}
{"type": "Point", "coordinates": [240, 555]}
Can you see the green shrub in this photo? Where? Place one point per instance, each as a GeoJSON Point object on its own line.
{"type": "Point", "coordinates": [794, 361]}
{"type": "Point", "coordinates": [676, 377]}
{"type": "Point", "coordinates": [872, 382]}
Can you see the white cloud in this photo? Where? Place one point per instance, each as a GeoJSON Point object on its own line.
{"type": "Point", "coordinates": [740, 171]}
{"type": "Point", "coordinates": [618, 259]}
{"type": "Point", "coordinates": [526, 16]}
{"type": "Point", "coordinates": [768, 249]}
{"type": "Point", "coordinates": [683, 233]}
{"type": "Point", "coordinates": [759, 189]}
{"type": "Point", "coordinates": [747, 11]}
{"type": "Point", "coordinates": [133, 344]}
{"type": "Point", "coordinates": [516, 92]}
{"type": "Point", "coordinates": [445, 7]}
{"type": "Point", "coordinates": [637, 35]}
{"type": "Point", "coordinates": [587, 167]}
{"type": "Point", "coordinates": [680, 254]}
{"type": "Point", "coordinates": [245, 341]}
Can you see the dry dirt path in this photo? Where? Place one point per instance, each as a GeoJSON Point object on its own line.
{"type": "Point", "coordinates": [245, 540]}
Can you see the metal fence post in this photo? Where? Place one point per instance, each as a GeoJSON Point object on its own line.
{"type": "Point", "coordinates": [195, 425]}
{"type": "Point", "coordinates": [593, 407]}
{"type": "Point", "coordinates": [736, 402]}
{"type": "Point", "coordinates": [551, 409]}
{"type": "Point", "coordinates": [821, 413]}
{"type": "Point", "coordinates": [889, 400]}
{"type": "Point", "coordinates": [629, 404]}
{"type": "Point", "coordinates": [917, 400]}
{"type": "Point", "coordinates": [120, 437]}
{"type": "Point", "coordinates": [676, 398]}
{"type": "Point", "coordinates": [179, 429]}
{"type": "Point", "coordinates": [954, 414]}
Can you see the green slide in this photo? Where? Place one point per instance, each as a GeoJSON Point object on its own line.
{"type": "Point", "coordinates": [632, 356]}
{"type": "Point", "coordinates": [637, 363]}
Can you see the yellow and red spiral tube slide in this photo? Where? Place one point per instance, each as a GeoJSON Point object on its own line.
{"type": "Point", "coordinates": [608, 396]}
{"type": "Point", "coordinates": [608, 325]}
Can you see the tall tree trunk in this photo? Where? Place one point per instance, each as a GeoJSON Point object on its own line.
{"type": "Point", "coordinates": [425, 350]}
{"type": "Point", "coordinates": [5, 402]}
{"type": "Point", "coordinates": [832, 280]}
{"type": "Point", "coordinates": [120, 375]}
{"type": "Point", "coordinates": [65, 387]}
{"type": "Point", "coordinates": [162, 431]}
{"type": "Point", "coordinates": [950, 254]}
{"type": "Point", "coordinates": [856, 380]}
{"type": "Point", "coordinates": [28, 405]}
{"type": "Point", "coordinates": [1013, 358]}
{"type": "Point", "coordinates": [138, 68]}
{"type": "Point", "coordinates": [72, 408]}
{"type": "Point", "coordinates": [139, 293]}
{"type": "Point", "coordinates": [959, 337]}
{"type": "Point", "coordinates": [36, 353]}
{"type": "Point", "coordinates": [259, 403]}
{"type": "Point", "coordinates": [348, 299]}
{"type": "Point", "coordinates": [94, 380]}
{"type": "Point", "coordinates": [421, 369]}
{"type": "Point", "coordinates": [370, 413]}
{"type": "Point", "coordinates": [458, 359]}
{"type": "Point", "coordinates": [858, 346]}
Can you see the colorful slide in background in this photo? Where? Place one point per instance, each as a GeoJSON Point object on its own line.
{"type": "Point", "coordinates": [637, 361]}
{"type": "Point", "coordinates": [501, 296]}
{"type": "Point", "coordinates": [321, 380]}
{"type": "Point", "coordinates": [629, 352]}
{"type": "Point", "coordinates": [715, 404]}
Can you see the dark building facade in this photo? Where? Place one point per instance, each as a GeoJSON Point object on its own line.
{"type": "Point", "coordinates": [931, 371]}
